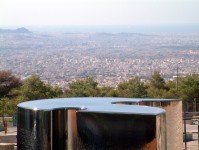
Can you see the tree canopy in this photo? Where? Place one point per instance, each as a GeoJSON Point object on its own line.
{"type": "Point", "coordinates": [132, 88]}
{"type": "Point", "coordinates": [13, 90]}
{"type": "Point", "coordinates": [8, 82]}
{"type": "Point", "coordinates": [156, 86]}
{"type": "Point", "coordinates": [83, 88]}
{"type": "Point", "coordinates": [157, 81]}
{"type": "Point", "coordinates": [33, 89]}
{"type": "Point", "coordinates": [189, 88]}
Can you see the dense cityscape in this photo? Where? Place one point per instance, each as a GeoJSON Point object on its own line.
{"type": "Point", "coordinates": [108, 57]}
{"type": "Point", "coordinates": [84, 74]}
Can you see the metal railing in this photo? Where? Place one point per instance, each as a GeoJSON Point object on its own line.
{"type": "Point", "coordinates": [191, 107]}
{"type": "Point", "coordinates": [196, 122]}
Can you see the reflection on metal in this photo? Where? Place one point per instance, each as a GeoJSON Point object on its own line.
{"type": "Point", "coordinates": [95, 123]}
{"type": "Point", "coordinates": [173, 119]}
{"type": "Point", "coordinates": [119, 131]}
{"type": "Point", "coordinates": [72, 130]}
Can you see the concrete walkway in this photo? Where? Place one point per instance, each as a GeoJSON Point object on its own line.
{"type": "Point", "coordinates": [10, 137]}
{"type": "Point", "coordinates": [192, 144]}
{"type": "Point", "coordinates": [8, 141]}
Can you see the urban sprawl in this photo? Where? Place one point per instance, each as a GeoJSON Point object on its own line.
{"type": "Point", "coordinates": [110, 58]}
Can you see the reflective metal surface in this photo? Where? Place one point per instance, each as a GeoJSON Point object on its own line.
{"type": "Point", "coordinates": [161, 133]}
{"type": "Point", "coordinates": [119, 131]}
{"type": "Point", "coordinates": [173, 119]}
{"type": "Point", "coordinates": [92, 123]}
{"type": "Point", "coordinates": [59, 129]}
{"type": "Point", "coordinates": [33, 129]}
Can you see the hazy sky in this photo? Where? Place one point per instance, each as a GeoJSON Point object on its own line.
{"type": "Point", "coordinates": [98, 12]}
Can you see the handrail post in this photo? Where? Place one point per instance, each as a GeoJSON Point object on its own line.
{"type": "Point", "coordinates": [198, 134]}
{"type": "Point", "coordinates": [185, 134]}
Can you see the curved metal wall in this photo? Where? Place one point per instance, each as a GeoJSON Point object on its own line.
{"type": "Point", "coordinates": [119, 131]}
{"type": "Point", "coordinates": [75, 129]}
{"type": "Point", "coordinates": [173, 121]}
{"type": "Point", "coordinates": [60, 129]}
{"type": "Point", "coordinates": [33, 129]}
{"type": "Point", "coordinates": [46, 130]}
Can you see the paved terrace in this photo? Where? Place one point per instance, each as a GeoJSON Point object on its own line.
{"type": "Point", "coordinates": [8, 141]}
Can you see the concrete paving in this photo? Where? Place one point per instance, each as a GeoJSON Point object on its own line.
{"type": "Point", "coordinates": [192, 144]}
{"type": "Point", "coordinates": [10, 137]}
{"type": "Point", "coordinates": [8, 141]}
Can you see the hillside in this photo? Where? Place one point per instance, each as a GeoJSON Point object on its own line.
{"type": "Point", "coordinates": [18, 30]}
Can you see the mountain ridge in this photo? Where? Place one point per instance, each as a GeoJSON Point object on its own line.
{"type": "Point", "coordinates": [18, 30]}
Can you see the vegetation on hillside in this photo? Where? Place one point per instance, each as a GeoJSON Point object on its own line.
{"type": "Point", "coordinates": [13, 90]}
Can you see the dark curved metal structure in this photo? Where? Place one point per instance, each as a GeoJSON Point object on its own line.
{"type": "Point", "coordinates": [93, 124]}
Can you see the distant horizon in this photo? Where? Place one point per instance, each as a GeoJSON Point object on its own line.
{"type": "Point", "coordinates": [179, 28]}
{"type": "Point", "coordinates": [98, 12]}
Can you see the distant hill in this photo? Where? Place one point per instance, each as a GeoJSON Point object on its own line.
{"type": "Point", "coordinates": [18, 30]}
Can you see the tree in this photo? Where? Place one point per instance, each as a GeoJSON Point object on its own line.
{"type": "Point", "coordinates": [157, 87]}
{"type": "Point", "coordinates": [189, 88]}
{"type": "Point", "coordinates": [172, 91]}
{"type": "Point", "coordinates": [8, 82]}
{"type": "Point", "coordinates": [157, 81]}
{"type": "Point", "coordinates": [107, 91]}
{"type": "Point", "coordinates": [83, 88]}
{"type": "Point", "coordinates": [33, 88]}
{"type": "Point", "coordinates": [132, 88]}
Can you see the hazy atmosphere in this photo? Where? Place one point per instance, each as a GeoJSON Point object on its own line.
{"type": "Point", "coordinates": [98, 12]}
